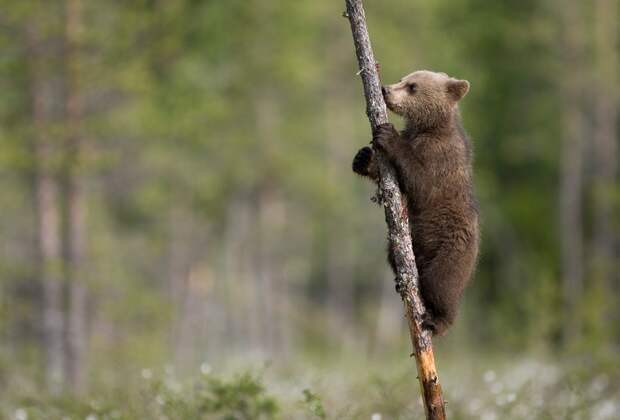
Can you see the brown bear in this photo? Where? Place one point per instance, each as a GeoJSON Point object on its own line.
{"type": "Point", "coordinates": [433, 160]}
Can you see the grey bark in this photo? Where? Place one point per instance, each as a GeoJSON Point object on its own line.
{"type": "Point", "coordinates": [396, 217]}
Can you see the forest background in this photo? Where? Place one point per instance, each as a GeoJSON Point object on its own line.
{"type": "Point", "coordinates": [178, 205]}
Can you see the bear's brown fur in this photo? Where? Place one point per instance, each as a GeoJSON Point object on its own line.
{"type": "Point", "coordinates": [433, 160]}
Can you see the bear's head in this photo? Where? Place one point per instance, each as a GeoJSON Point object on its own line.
{"type": "Point", "coordinates": [426, 99]}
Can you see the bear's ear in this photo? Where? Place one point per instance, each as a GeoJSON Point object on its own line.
{"type": "Point", "coordinates": [457, 88]}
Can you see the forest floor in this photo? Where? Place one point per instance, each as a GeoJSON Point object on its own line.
{"type": "Point", "coordinates": [483, 387]}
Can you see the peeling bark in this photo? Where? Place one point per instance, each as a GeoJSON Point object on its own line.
{"type": "Point", "coordinates": [396, 217]}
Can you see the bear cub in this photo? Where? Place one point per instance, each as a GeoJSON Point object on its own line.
{"type": "Point", "coordinates": [433, 161]}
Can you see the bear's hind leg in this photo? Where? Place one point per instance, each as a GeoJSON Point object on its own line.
{"type": "Point", "coordinates": [441, 286]}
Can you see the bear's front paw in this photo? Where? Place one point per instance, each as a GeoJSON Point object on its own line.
{"type": "Point", "coordinates": [384, 135]}
{"type": "Point", "coordinates": [428, 323]}
{"type": "Point", "coordinates": [361, 161]}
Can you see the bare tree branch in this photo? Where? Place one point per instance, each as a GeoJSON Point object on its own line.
{"type": "Point", "coordinates": [396, 217]}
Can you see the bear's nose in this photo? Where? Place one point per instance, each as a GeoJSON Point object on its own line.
{"type": "Point", "coordinates": [384, 90]}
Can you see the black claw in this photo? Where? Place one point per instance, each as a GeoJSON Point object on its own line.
{"type": "Point", "coordinates": [428, 324]}
{"type": "Point", "coordinates": [361, 161]}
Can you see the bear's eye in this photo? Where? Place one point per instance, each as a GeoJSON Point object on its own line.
{"type": "Point", "coordinates": [413, 87]}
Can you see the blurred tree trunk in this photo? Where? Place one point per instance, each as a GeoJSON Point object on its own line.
{"type": "Point", "coordinates": [240, 279]}
{"type": "Point", "coordinates": [571, 177]}
{"type": "Point", "coordinates": [605, 140]}
{"type": "Point", "coordinates": [197, 315]}
{"type": "Point", "coordinates": [231, 334]}
{"type": "Point", "coordinates": [75, 232]}
{"type": "Point", "coordinates": [268, 219]}
{"type": "Point", "coordinates": [266, 222]}
{"type": "Point", "coordinates": [340, 290]}
{"type": "Point", "coordinates": [48, 216]}
{"type": "Point", "coordinates": [339, 262]}
{"type": "Point", "coordinates": [178, 279]}
{"type": "Point", "coordinates": [389, 317]}
{"type": "Point", "coordinates": [339, 136]}
{"type": "Point", "coordinates": [284, 309]}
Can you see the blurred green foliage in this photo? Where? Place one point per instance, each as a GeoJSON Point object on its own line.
{"type": "Point", "coordinates": [516, 389]}
{"type": "Point", "coordinates": [225, 224]}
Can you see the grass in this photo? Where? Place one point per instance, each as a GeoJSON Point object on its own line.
{"type": "Point", "coordinates": [489, 388]}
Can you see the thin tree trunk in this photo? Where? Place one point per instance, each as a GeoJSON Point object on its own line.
{"type": "Point", "coordinates": [339, 290]}
{"type": "Point", "coordinates": [605, 140]}
{"type": "Point", "coordinates": [178, 284]}
{"type": "Point", "coordinates": [197, 314]}
{"type": "Point", "coordinates": [396, 217]}
{"type": "Point", "coordinates": [48, 221]}
{"type": "Point", "coordinates": [571, 188]}
{"type": "Point", "coordinates": [239, 280]}
{"type": "Point", "coordinates": [75, 233]}
{"type": "Point", "coordinates": [284, 310]}
{"type": "Point", "coordinates": [263, 273]}
{"type": "Point", "coordinates": [339, 273]}
{"type": "Point", "coordinates": [77, 316]}
{"type": "Point", "coordinates": [389, 319]}
{"type": "Point", "coordinates": [231, 336]}
{"type": "Point", "coordinates": [339, 266]}
{"type": "Point", "coordinates": [250, 278]}
{"type": "Point", "coordinates": [267, 295]}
